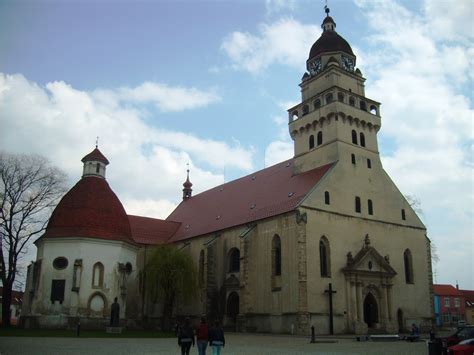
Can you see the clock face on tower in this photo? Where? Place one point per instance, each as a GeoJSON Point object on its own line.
{"type": "Point", "coordinates": [315, 66]}
{"type": "Point", "coordinates": [348, 63]}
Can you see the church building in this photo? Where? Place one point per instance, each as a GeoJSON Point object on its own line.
{"type": "Point", "coordinates": [324, 239]}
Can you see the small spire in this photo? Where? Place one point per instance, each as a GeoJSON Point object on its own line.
{"type": "Point", "coordinates": [187, 191]}
{"type": "Point", "coordinates": [97, 142]}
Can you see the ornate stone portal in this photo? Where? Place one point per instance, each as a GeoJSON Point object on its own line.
{"type": "Point", "coordinates": [369, 279]}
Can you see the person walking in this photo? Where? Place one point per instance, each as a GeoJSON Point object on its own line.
{"type": "Point", "coordinates": [202, 336]}
{"type": "Point", "coordinates": [186, 337]}
{"type": "Point", "coordinates": [216, 338]}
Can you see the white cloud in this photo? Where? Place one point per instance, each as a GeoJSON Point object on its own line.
{"type": "Point", "coordinates": [148, 207]}
{"type": "Point", "coordinates": [147, 163]}
{"type": "Point", "coordinates": [286, 42]}
{"type": "Point", "coordinates": [426, 112]}
{"type": "Point", "coordinates": [277, 6]}
{"type": "Point", "coordinates": [278, 151]}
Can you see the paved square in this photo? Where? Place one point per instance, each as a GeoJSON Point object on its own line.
{"type": "Point", "coordinates": [236, 344]}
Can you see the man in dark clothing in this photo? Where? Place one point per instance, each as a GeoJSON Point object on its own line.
{"type": "Point", "coordinates": [115, 314]}
{"type": "Point", "coordinates": [186, 337]}
{"type": "Point", "coordinates": [216, 338]}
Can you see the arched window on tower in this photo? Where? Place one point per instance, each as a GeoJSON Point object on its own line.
{"type": "Point", "coordinates": [352, 101]}
{"type": "Point", "coordinates": [327, 198]}
{"type": "Point", "coordinates": [408, 263]}
{"type": "Point", "coordinates": [305, 110]}
{"type": "Point", "coordinates": [294, 115]}
{"type": "Point", "coordinates": [324, 257]}
{"type": "Point", "coordinates": [98, 275]}
{"type": "Point", "coordinates": [362, 139]}
{"type": "Point", "coordinates": [234, 260]}
{"type": "Point", "coordinates": [320, 138]}
{"type": "Point", "coordinates": [357, 204]}
{"type": "Point", "coordinates": [354, 137]}
{"type": "Point", "coordinates": [97, 168]}
{"type": "Point", "coordinates": [317, 103]}
{"type": "Point", "coordinates": [340, 97]}
{"type": "Point", "coordinates": [329, 98]}
{"type": "Point", "coordinates": [373, 110]}
{"type": "Point", "coordinates": [311, 142]}
{"type": "Point", "coordinates": [363, 105]}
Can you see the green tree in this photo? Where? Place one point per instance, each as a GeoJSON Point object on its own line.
{"type": "Point", "coordinates": [171, 277]}
{"type": "Point", "coordinates": [29, 189]}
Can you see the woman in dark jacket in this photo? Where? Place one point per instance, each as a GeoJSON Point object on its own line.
{"type": "Point", "coordinates": [216, 338]}
{"type": "Point", "coordinates": [186, 337]}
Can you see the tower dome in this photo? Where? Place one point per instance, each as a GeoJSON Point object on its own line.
{"type": "Point", "coordinates": [90, 209]}
{"type": "Point", "coordinates": [330, 40]}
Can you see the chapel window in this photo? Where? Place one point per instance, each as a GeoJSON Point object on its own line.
{"type": "Point", "coordinates": [98, 275]}
{"type": "Point", "coordinates": [357, 204]}
{"type": "Point", "coordinates": [311, 142]}
{"type": "Point", "coordinates": [408, 263]}
{"type": "Point", "coordinates": [57, 290]}
{"type": "Point", "coordinates": [320, 138]}
{"type": "Point", "coordinates": [276, 255]}
{"type": "Point", "coordinates": [324, 257]}
{"type": "Point", "coordinates": [327, 198]}
{"type": "Point", "coordinates": [354, 137]}
{"type": "Point", "coordinates": [370, 207]}
{"type": "Point", "coordinates": [362, 139]}
{"type": "Point", "coordinates": [234, 260]}
{"type": "Point", "coordinates": [201, 267]}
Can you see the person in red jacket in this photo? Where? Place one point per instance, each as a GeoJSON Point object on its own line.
{"type": "Point", "coordinates": [202, 336]}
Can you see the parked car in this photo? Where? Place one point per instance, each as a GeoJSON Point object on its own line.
{"type": "Point", "coordinates": [465, 347]}
{"type": "Point", "coordinates": [462, 333]}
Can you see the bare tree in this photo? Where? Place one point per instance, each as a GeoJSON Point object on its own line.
{"type": "Point", "coordinates": [29, 188]}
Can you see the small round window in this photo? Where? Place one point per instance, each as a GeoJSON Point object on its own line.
{"type": "Point", "coordinates": [60, 263]}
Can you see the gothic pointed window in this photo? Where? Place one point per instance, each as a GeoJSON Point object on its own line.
{"type": "Point", "coordinates": [98, 275]}
{"type": "Point", "coordinates": [234, 260]}
{"type": "Point", "coordinates": [324, 257]}
{"type": "Point", "coordinates": [362, 139]}
{"type": "Point", "coordinates": [370, 207]}
{"type": "Point", "coordinates": [327, 199]}
{"type": "Point", "coordinates": [311, 142]}
{"type": "Point", "coordinates": [276, 255]}
{"type": "Point", "coordinates": [320, 138]}
{"type": "Point", "coordinates": [408, 264]}
{"type": "Point", "coordinates": [357, 204]}
{"type": "Point", "coordinates": [354, 137]}
{"type": "Point", "coordinates": [201, 267]}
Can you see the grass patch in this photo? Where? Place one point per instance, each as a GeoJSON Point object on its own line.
{"type": "Point", "coordinates": [64, 333]}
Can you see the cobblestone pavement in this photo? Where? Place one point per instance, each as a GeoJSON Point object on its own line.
{"type": "Point", "coordinates": [236, 344]}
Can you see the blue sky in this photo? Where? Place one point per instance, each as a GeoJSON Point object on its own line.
{"type": "Point", "coordinates": [163, 83]}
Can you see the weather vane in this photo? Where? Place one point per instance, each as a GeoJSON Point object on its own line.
{"type": "Point", "coordinates": [326, 8]}
{"type": "Point", "coordinates": [97, 142]}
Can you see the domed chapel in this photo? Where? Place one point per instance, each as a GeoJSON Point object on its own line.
{"type": "Point", "coordinates": [324, 239]}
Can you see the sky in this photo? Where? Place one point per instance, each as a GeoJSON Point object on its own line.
{"type": "Point", "coordinates": [166, 83]}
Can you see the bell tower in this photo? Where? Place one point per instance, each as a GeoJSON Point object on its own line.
{"type": "Point", "coordinates": [335, 121]}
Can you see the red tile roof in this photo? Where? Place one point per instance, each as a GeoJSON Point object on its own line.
{"type": "Point", "coordinates": [469, 295]}
{"type": "Point", "coordinates": [266, 193]}
{"type": "Point", "coordinates": [446, 290]}
{"type": "Point", "coordinates": [95, 155]}
{"type": "Point", "coordinates": [151, 231]}
{"type": "Point", "coordinates": [90, 209]}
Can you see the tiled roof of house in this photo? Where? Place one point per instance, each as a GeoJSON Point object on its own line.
{"type": "Point", "coordinates": [151, 231]}
{"type": "Point", "coordinates": [266, 193]}
{"type": "Point", "coordinates": [446, 290]}
{"type": "Point", "coordinates": [469, 296]}
{"type": "Point", "coordinates": [90, 209]}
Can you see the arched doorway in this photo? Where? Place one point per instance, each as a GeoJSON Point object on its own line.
{"type": "Point", "coordinates": [232, 309]}
{"type": "Point", "coordinates": [371, 312]}
{"type": "Point", "coordinates": [400, 321]}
